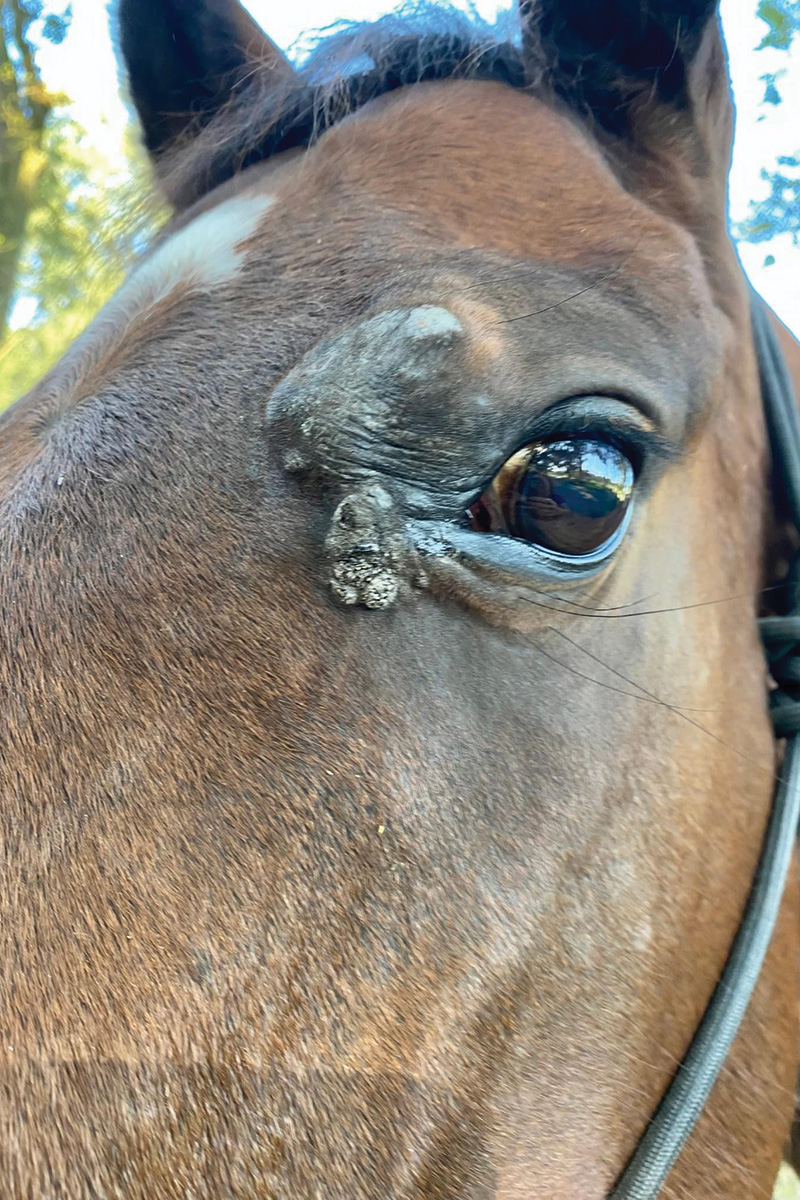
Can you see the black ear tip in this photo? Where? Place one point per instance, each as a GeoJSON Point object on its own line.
{"type": "Point", "coordinates": [155, 60]}
{"type": "Point", "coordinates": [608, 51]}
{"type": "Point", "coordinates": [183, 57]}
{"type": "Point", "coordinates": [686, 14]}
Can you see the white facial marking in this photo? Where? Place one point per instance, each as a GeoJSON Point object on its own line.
{"type": "Point", "coordinates": [205, 252]}
{"type": "Point", "coordinates": [642, 935]}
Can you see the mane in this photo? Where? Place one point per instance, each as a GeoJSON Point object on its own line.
{"type": "Point", "coordinates": [351, 64]}
{"type": "Point", "coordinates": [354, 63]}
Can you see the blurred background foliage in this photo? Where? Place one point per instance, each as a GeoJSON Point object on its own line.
{"type": "Point", "coordinates": [72, 224]}
{"type": "Point", "coordinates": [779, 212]}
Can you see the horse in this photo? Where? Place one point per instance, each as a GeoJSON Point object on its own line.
{"type": "Point", "coordinates": [386, 748]}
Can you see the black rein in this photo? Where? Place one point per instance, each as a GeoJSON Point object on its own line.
{"type": "Point", "coordinates": [688, 1092]}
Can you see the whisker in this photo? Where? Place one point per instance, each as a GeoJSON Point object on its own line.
{"type": "Point", "coordinates": [678, 710]}
{"type": "Point", "coordinates": [613, 670]}
{"type": "Point", "coordinates": [598, 608]}
{"type": "Point", "coordinates": [610, 615]}
{"type": "Point", "coordinates": [648, 699]}
{"type": "Point", "coordinates": [549, 307]}
{"type": "Point", "coordinates": [595, 283]}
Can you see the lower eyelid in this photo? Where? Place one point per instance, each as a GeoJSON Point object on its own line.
{"type": "Point", "coordinates": [508, 557]}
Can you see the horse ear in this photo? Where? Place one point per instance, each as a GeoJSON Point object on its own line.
{"type": "Point", "coordinates": [184, 60]}
{"type": "Point", "coordinates": [624, 60]}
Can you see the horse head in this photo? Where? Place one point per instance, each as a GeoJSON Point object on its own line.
{"type": "Point", "coordinates": [387, 752]}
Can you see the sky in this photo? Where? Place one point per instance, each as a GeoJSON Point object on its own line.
{"type": "Point", "coordinates": [84, 67]}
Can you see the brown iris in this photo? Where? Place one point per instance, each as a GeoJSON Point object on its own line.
{"type": "Point", "coordinates": [569, 496]}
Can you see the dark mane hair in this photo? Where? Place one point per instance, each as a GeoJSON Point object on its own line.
{"type": "Point", "coordinates": [359, 62]}
{"type": "Point", "coordinates": [596, 72]}
{"type": "Point", "coordinates": [351, 64]}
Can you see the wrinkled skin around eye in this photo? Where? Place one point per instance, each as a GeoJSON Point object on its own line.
{"type": "Point", "coordinates": [569, 496]}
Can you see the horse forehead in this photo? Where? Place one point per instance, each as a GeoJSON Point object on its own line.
{"type": "Point", "coordinates": [500, 169]}
{"type": "Point", "coordinates": [503, 170]}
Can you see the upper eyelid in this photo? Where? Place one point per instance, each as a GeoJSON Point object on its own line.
{"type": "Point", "coordinates": [579, 414]}
{"type": "Point", "coordinates": [648, 443]}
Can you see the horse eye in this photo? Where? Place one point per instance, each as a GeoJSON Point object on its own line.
{"type": "Point", "coordinates": [569, 496]}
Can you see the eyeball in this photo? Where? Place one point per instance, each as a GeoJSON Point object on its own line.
{"type": "Point", "coordinates": [569, 496]}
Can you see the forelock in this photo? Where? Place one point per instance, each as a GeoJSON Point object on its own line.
{"type": "Point", "coordinates": [351, 64]}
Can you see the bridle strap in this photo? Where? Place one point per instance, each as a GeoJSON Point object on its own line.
{"type": "Point", "coordinates": [688, 1092]}
{"type": "Point", "coordinates": [781, 634]}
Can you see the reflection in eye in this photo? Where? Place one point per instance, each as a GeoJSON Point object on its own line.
{"type": "Point", "coordinates": [569, 496]}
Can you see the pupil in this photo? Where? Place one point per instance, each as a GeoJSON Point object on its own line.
{"type": "Point", "coordinates": [569, 496]}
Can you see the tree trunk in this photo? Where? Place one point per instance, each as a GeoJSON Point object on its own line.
{"type": "Point", "coordinates": [24, 108]}
{"type": "Point", "coordinates": [13, 219]}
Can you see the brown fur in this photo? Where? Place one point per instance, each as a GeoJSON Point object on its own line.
{"type": "Point", "coordinates": [301, 900]}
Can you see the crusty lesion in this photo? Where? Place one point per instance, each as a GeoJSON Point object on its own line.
{"type": "Point", "coordinates": [368, 549]}
{"type": "Point", "coordinates": [337, 412]}
{"type": "Point", "coordinates": [349, 410]}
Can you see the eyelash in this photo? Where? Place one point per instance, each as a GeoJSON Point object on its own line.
{"type": "Point", "coordinates": [640, 446]}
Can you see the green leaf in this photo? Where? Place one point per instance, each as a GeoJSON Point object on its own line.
{"type": "Point", "coordinates": [783, 19]}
